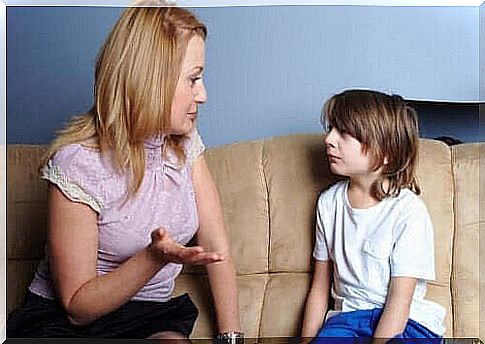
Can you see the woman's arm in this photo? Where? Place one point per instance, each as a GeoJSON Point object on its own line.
{"type": "Point", "coordinates": [73, 244]}
{"type": "Point", "coordinates": [212, 236]}
{"type": "Point", "coordinates": [396, 311]}
{"type": "Point", "coordinates": [317, 301]}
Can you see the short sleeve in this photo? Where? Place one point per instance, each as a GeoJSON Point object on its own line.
{"type": "Point", "coordinates": [413, 250]}
{"type": "Point", "coordinates": [76, 172]}
{"type": "Point", "coordinates": [320, 250]}
{"type": "Point", "coordinates": [195, 147]}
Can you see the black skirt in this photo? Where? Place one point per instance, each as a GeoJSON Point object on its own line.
{"type": "Point", "coordinates": [39, 317]}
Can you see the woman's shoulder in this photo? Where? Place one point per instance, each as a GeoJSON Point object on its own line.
{"type": "Point", "coordinates": [81, 156]}
{"type": "Point", "coordinates": [81, 173]}
{"type": "Point", "coordinates": [75, 150]}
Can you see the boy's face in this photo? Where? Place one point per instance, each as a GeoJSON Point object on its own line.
{"type": "Point", "coordinates": [346, 155]}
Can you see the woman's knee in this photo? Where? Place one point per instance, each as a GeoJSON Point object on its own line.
{"type": "Point", "coordinates": [170, 337]}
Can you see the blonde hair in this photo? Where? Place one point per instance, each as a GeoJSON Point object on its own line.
{"type": "Point", "coordinates": [387, 127]}
{"type": "Point", "coordinates": [136, 75]}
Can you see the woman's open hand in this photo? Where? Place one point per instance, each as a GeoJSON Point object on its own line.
{"type": "Point", "coordinates": [165, 249]}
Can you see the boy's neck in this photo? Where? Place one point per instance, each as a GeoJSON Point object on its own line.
{"type": "Point", "coordinates": [359, 192]}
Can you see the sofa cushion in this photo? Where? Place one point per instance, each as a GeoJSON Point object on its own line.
{"type": "Point", "coordinates": [26, 219]}
{"type": "Point", "coordinates": [296, 171]}
{"type": "Point", "coordinates": [27, 203]}
{"type": "Point", "coordinates": [465, 281]}
{"type": "Point", "coordinates": [3, 234]}
{"type": "Point", "coordinates": [19, 276]}
{"type": "Point", "coordinates": [238, 173]}
{"type": "Point", "coordinates": [251, 293]}
{"type": "Point", "coordinates": [436, 182]}
{"type": "Point", "coordinates": [284, 303]}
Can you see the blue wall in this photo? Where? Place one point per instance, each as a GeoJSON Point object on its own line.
{"type": "Point", "coordinates": [482, 52]}
{"type": "Point", "coordinates": [51, 53]}
{"type": "Point", "coordinates": [269, 69]}
{"type": "Point", "coordinates": [482, 73]}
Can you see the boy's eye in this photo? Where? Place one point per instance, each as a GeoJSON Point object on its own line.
{"type": "Point", "coordinates": [331, 127]}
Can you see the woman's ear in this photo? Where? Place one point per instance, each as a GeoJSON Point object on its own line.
{"type": "Point", "coordinates": [385, 160]}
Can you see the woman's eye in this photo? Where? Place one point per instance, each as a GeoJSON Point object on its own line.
{"type": "Point", "coordinates": [194, 79]}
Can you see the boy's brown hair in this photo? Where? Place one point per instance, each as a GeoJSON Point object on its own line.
{"type": "Point", "coordinates": [387, 127]}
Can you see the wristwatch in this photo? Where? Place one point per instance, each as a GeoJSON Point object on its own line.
{"type": "Point", "coordinates": [232, 337]}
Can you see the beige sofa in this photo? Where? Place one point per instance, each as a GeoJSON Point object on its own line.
{"type": "Point", "coordinates": [268, 189]}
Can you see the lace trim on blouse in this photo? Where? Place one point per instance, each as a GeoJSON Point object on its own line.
{"type": "Point", "coordinates": [73, 191]}
{"type": "Point", "coordinates": [196, 148]}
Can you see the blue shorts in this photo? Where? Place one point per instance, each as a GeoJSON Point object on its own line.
{"type": "Point", "coordinates": [359, 326]}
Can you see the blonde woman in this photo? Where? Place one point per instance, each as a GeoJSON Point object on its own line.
{"type": "Point", "coordinates": [128, 188]}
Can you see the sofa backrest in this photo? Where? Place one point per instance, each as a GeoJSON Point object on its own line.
{"type": "Point", "coordinates": [26, 219]}
{"type": "Point", "coordinates": [268, 190]}
{"type": "Point", "coordinates": [468, 251]}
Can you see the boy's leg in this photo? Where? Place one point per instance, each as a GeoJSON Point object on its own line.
{"type": "Point", "coordinates": [415, 333]}
{"type": "Point", "coordinates": [346, 328]}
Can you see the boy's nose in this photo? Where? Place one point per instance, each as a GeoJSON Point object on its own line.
{"type": "Point", "coordinates": [329, 139]}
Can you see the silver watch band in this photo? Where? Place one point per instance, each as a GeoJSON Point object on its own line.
{"type": "Point", "coordinates": [232, 337]}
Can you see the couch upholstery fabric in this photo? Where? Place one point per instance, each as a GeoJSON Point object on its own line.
{"type": "Point", "coordinates": [268, 190]}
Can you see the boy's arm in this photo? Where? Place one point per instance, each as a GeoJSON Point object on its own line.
{"type": "Point", "coordinates": [396, 310]}
{"type": "Point", "coordinates": [317, 301]}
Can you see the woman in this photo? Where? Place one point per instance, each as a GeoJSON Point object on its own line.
{"type": "Point", "coordinates": [128, 188]}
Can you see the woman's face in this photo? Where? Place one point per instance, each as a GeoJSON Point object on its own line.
{"type": "Point", "coordinates": [190, 90]}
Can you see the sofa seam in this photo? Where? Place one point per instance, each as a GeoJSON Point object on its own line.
{"type": "Point", "coordinates": [453, 241]}
{"type": "Point", "coordinates": [268, 249]}
{"type": "Point", "coordinates": [265, 289]}
{"type": "Point", "coordinates": [264, 181]}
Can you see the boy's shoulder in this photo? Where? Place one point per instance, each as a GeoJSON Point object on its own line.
{"type": "Point", "coordinates": [407, 200]}
{"type": "Point", "coordinates": [332, 192]}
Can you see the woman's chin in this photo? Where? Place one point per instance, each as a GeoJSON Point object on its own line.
{"type": "Point", "coordinates": [186, 129]}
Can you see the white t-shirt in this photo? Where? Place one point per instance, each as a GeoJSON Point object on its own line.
{"type": "Point", "coordinates": [369, 246]}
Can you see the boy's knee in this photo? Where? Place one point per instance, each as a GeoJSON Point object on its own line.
{"type": "Point", "coordinates": [338, 333]}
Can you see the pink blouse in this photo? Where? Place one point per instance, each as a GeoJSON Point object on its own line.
{"type": "Point", "coordinates": [166, 198]}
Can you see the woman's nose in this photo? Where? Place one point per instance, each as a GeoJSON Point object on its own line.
{"type": "Point", "coordinates": [201, 95]}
